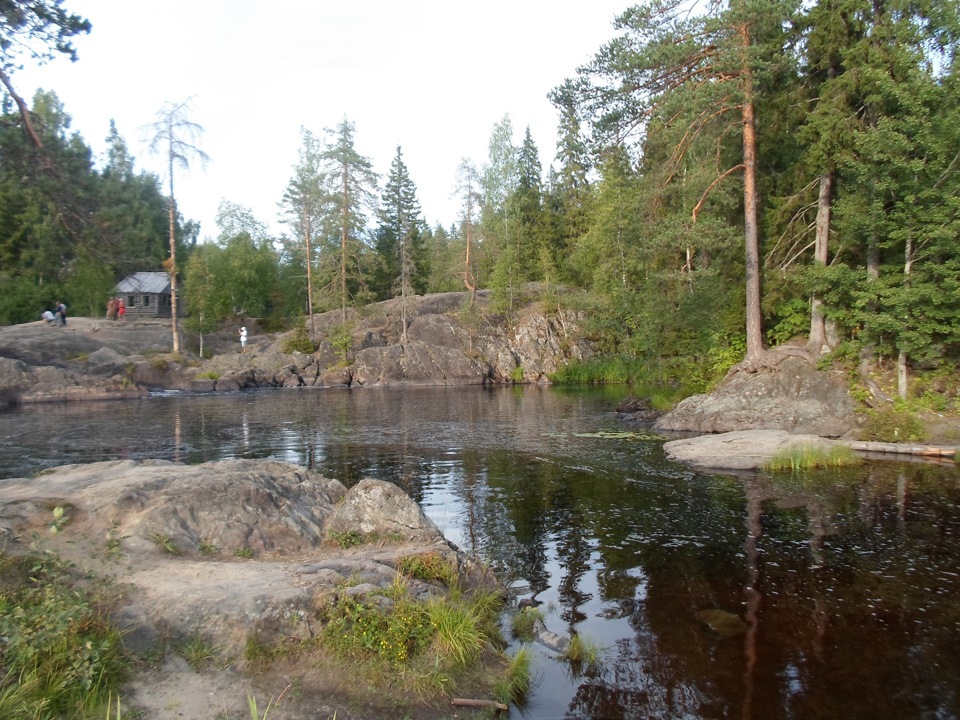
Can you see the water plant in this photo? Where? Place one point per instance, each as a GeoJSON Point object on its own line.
{"type": "Point", "coordinates": [806, 457]}
{"type": "Point", "coordinates": [515, 683]}
{"type": "Point", "coordinates": [581, 650]}
{"type": "Point", "coordinates": [523, 624]}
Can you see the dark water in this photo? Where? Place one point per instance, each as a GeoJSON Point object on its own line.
{"type": "Point", "coordinates": [843, 586]}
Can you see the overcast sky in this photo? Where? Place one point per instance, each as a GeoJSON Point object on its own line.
{"type": "Point", "coordinates": [432, 76]}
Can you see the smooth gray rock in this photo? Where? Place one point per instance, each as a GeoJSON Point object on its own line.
{"type": "Point", "coordinates": [795, 397]}
{"type": "Point", "coordinates": [740, 450]}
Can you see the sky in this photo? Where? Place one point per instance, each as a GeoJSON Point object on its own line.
{"type": "Point", "coordinates": [429, 76]}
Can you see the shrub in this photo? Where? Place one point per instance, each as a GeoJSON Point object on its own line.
{"type": "Point", "coordinates": [892, 423]}
{"type": "Point", "coordinates": [59, 652]}
{"type": "Point", "coordinates": [299, 340]}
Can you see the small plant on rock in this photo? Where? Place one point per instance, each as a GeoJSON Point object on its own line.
{"type": "Point", "coordinates": [165, 543]}
{"type": "Point", "coordinates": [347, 539]}
{"type": "Point", "coordinates": [196, 651]}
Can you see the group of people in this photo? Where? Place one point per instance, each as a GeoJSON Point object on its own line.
{"type": "Point", "coordinates": [116, 308]}
{"type": "Point", "coordinates": [58, 316]}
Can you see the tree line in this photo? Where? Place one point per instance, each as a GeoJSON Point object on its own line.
{"type": "Point", "coordinates": [729, 176]}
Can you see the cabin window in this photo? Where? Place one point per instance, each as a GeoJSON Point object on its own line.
{"type": "Point", "coordinates": [146, 301]}
{"type": "Point", "coordinates": [131, 301]}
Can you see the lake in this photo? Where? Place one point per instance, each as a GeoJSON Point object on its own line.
{"type": "Point", "coordinates": [828, 594]}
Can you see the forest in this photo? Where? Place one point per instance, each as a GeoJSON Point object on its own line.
{"type": "Point", "coordinates": [730, 177]}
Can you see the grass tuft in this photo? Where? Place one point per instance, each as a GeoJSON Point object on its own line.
{"type": "Point", "coordinates": [807, 457]}
{"type": "Point", "coordinates": [517, 680]}
{"type": "Point", "coordinates": [580, 650]}
{"type": "Point", "coordinates": [523, 624]}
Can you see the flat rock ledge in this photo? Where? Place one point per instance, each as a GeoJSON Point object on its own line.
{"type": "Point", "coordinates": [739, 450]}
{"type": "Point", "coordinates": [232, 549]}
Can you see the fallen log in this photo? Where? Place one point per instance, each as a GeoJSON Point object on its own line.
{"type": "Point", "coordinates": [904, 448]}
{"type": "Point", "coordinates": [471, 702]}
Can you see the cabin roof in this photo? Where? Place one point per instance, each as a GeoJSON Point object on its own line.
{"type": "Point", "coordinates": [145, 282]}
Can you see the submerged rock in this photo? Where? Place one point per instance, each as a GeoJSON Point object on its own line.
{"type": "Point", "coordinates": [723, 623]}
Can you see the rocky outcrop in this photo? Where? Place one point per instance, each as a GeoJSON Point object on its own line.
{"type": "Point", "coordinates": [794, 396]}
{"type": "Point", "coordinates": [93, 358]}
{"type": "Point", "coordinates": [237, 548]}
{"type": "Point", "coordinates": [741, 450]}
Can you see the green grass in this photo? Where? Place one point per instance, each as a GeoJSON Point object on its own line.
{"type": "Point", "coordinates": [244, 553]}
{"type": "Point", "coordinates": [580, 650]}
{"type": "Point", "coordinates": [523, 623]}
{"type": "Point", "coordinates": [60, 656]}
{"type": "Point", "coordinates": [165, 543]}
{"type": "Point", "coordinates": [197, 651]}
{"type": "Point", "coordinates": [808, 457]}
{"type": "Point", "coordinates": [515, 683]}
{"type": "Point", "coordinates": [347, 539]}
{"type": "Point", "coordinates": [429, 567]}
{"type": "Point", "coordinates": [422, 647]}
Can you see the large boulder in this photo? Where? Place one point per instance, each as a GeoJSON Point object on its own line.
{"type": "Point", "coordinates": [794, 396]}
{"type": "Point", "coordinates": [741, 450]}
{"type": "Point", "coordinates": [381, 509]}
{"type": "Point", "coordinates": [233, 548]}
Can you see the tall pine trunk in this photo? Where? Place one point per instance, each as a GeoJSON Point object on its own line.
{"type": "Point", "coordinates": [751, 234]}
{"type": "Point", "coordinates": [818, 326]}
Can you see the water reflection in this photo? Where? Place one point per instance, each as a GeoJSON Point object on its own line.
{"type": "Point", "coordinates": [817, 596]}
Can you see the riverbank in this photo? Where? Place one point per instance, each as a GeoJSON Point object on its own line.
{"type": "Point", "coordinates": [224, 580]}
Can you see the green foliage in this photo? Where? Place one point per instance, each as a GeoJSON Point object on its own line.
{"type": "Point", "coordinates": [807, 457]}
{"type": "Point", "coordinates": [516, 684]}
{"type": "Point", "coordinates": [523, 624]}
{"type": "Point", "coordinates": [197, 651]}
{"type": "Point", "coordinates": [244, 553]}
{"type": "Point", "coordinates": [347, 539]}
{"type": "Point", "coordinates": [429, 567]}
{"type": "Point", "coordinates": [356, 627]}
{"type": "Point", "coordinates": [341, 338]}
{"type": "Point", "coordinates": [299, 340]}
{"type": "Point", "coordinates": [892, 423]}
{"type": "Point", "coordinates": [517, 375]}
{"type": "Point", "coordinates": [579, 650]}
{"type": "Point", "coordinates": [60, 655]}
{"type": "Point", "coordinates": [165, 542]}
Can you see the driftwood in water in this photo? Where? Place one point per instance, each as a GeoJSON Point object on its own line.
{"type": "Point", "coordinates": [904, 448]}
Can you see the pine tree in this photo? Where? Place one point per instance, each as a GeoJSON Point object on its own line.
{"type": "Point", "coordinates": [403, 265]}
{"type": "Point", "coordinates": [694, 78]}
{"type": "Point", "coordinates": [349, 186]}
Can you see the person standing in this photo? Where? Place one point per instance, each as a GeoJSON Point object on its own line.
{"type": "Point", "coordinates": [243, 339]}
{"type": "Point", "coordinates": [121, 308]}
{"type": "Point", "coordinates": [61, 312]}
